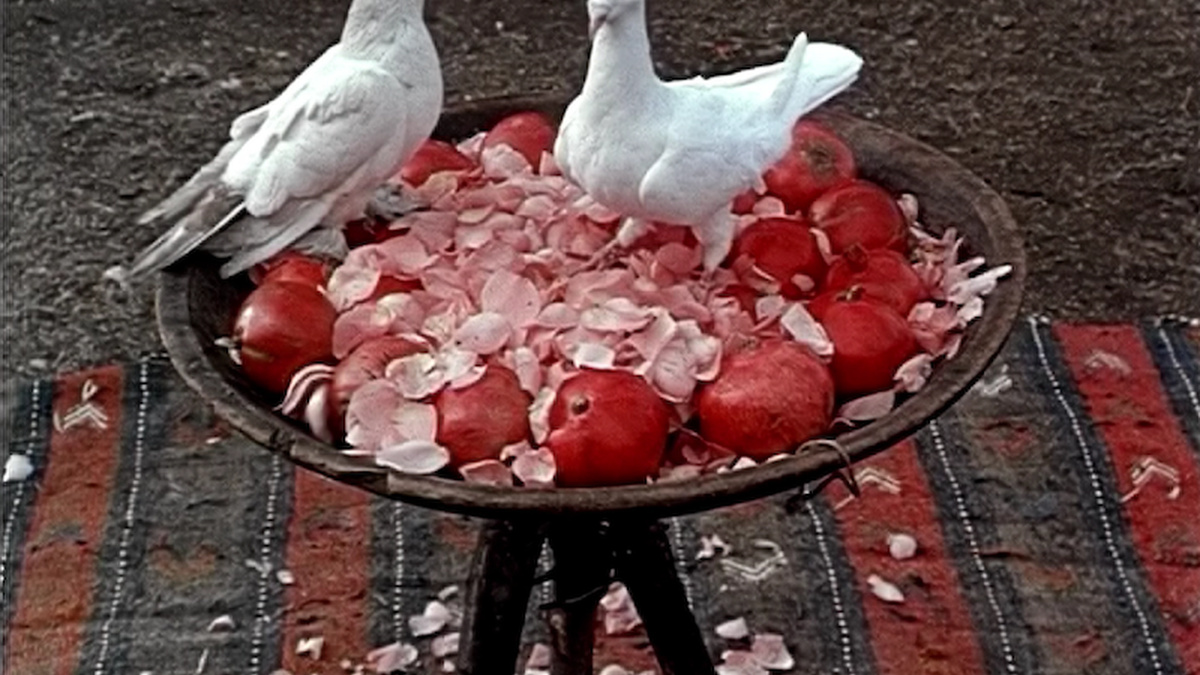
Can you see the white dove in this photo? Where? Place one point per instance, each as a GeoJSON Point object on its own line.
{"type": "Point", "coordinates": [314, 156]}
{"type": "Point", "coordinates": [679, 152]}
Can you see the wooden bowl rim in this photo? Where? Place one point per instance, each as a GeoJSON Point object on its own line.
{"type": "Point", "coordinates": [950, 381]}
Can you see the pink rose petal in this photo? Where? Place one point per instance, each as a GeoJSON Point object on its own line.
{"type": "Point", "coordinates": [912, 375]}
{"type": "Point", "coordinates": [416, 376]}
{"type": "Point", "coordinates": [391, 658]}
{"type": "Point", "coordinates": [769, 206]}
{"type": "Point", "coordinates": [414, 457]}
{"type": "Point", "coordinates": [444, 645]}
{"type": "Point", "coordinates": [487, 472]}
{"type": "Point", "coordinates": [350, 285]}
{"type": "Point", "coordinates": [539, 413]}
{"type": "Point", "coordinates": [501, 161]}
{"type": "Point", "coordinates": [739, 662]}
{"type": "Point", "coordinates": [535, 468]}
{"type": "Point", "coordinates": [734, 629]}
{"type": "Point", "coordinates": [369, 414]}
{"type": "Point", "coordinates": [433, 619]}
{"type": "Point", "coordinates": [539, 656]}
{"type": "Point", "coordinates": [406, 255]}
{"type": "Point", "coordinates": [526, 365]}
{"type": "Point", "coordinates": [771, 653]}
{"type": "Point", "coordinates": [483, 333]}
{"type": "Point", "coordinates": [513, 296]}
{"type": "Point", "coordinates": [620, 616]}
{"type": "Point", "coordinates": [869, 407]}
{"type": "Point", "coordinates": [615, 314]}
{"type": "Point", "coordinates": [885, 590]}
{"type": "Point", "coordinates": [558, 315]}
{"type": "Point", "coordinates": [594, 355]}
{"type": "Point", "coordinates": [770, 307]}
{"type": "Point", "coordinates": [803, 328]}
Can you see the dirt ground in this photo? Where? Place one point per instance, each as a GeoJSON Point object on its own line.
{"type": "Point", "coordinates": [1084, 114]}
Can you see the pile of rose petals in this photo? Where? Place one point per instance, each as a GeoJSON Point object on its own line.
{"type": "Point", "coordinates": [501, 269]}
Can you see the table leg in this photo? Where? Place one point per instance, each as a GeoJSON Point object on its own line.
{"type": "Point", "coordinates": [582, 573]}
{"type": "Point", "coordinates": [497, 596]}
{"type": "Point", "coordinates": [643, 561]}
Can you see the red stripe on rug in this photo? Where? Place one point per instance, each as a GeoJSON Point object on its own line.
{"type": "Point", "coordinates": [930, 632]}
{"type": "Point", "coordinates": [1156, 472]}
{"type": "Point", "coordinates": [66, 532]}
{"type": "Point", "coordinates": [328, 552]}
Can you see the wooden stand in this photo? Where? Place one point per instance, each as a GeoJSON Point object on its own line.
{"type": "Point", "coordinates": [588, 555]}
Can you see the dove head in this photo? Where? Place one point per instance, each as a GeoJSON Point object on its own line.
{"type": "Point", "coordinates": [379, 21]}
{"type": "Point", "coordinates": [608, 12]}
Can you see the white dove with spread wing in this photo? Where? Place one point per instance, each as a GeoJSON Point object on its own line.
{"type": "Point", "coordinates": [679, 152]}
{"type": "Point", "coordinates": [296, 169]}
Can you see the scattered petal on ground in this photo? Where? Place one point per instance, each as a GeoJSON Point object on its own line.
{"type": "Point", "coordinates": [901, 546]}
{"type": "Point", "coordinates": [734, 629]}
{"type": "Point", "coordinates": [885, 590]}
{"type": "Point", "coordinates": [435, 618]}
{"type": "Point", "coordinates": [17, 468]}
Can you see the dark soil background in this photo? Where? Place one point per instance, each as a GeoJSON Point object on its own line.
{"type": "Point", "coordinates": [1084, 114]}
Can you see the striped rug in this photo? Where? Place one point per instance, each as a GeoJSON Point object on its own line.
{"type": "Point", "coordinates": [1056, 509]}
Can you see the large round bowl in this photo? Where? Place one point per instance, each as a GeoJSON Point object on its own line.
{"type": "Point", "coordinates": [195, 307]}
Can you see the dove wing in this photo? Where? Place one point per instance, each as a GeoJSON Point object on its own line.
{"type": "Point", "coordinates": [341, 131]}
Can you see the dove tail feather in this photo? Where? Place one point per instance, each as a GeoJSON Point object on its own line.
{"type": "Point", "coordinates": [792, 66]}
{"type": "Point", "coordinates": [184, 237]}
{"type": "Point", "coordinates": [180, 201]}
{"type": "Point", "coordinates": [826, 71]}
{"type": "Point", "coordinates": [281, 230]}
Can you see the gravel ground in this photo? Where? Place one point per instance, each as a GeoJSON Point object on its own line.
{"type": "Point", "coordinates": [1084, 114]}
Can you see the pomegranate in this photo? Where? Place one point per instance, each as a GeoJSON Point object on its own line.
{"type": "Point", "coordinates": [433, 156]}
{"type": "Point", "coordinates": [860, 213]}
{"type": "Point", "coordinates": [607, 427]}
{"type": "Point", "coordinates": [783, 248]}
{"type": "Point", "coordinates": [767, 399]}
{"type": "Point", "coordinates": [478, 420]}
{"type": "Point", "coordinates": [281, 327]}
{"type": "Point", "coordinates": [292, 266]}
{"type": "Point", "coordinates": [529, 133]}
{"type": "Point", "coordinates": [817, 162]}
{"type": "Point", "coordinates": [870, 340]}
{"type": "Point", "coordinates": [881, 274]}
{"type": "Point", "coordinates": [367, 362]}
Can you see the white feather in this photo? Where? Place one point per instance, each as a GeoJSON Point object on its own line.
{"type": "Point", "coordinates": [679, 152]}
{"type": "Point", "coordinates": [314, 155]}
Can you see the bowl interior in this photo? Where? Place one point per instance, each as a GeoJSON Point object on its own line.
{"type": "Point", "coordinates": [195, 307]}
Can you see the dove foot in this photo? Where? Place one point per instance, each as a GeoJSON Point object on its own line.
{"type": "Point", "coordinates": [392, 202]}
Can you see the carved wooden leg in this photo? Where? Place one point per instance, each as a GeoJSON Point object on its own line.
{"type": "Point", "coordinates": [643, 561]}
{"type": "Point", "coordinates": [582, 572]}
{"type": "Point", "coordinates": [498, 595]}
